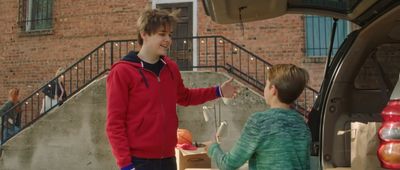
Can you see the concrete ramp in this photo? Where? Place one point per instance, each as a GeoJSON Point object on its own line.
{"type": "Point", "coordinates": [72, 136]}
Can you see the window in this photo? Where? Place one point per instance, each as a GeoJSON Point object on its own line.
{"type": "Point", "coordinates": [341, 6]}
{"type": "Point", "coordinates": [318, 32]}
{"type": "Point", "coordinates": [36, 15]}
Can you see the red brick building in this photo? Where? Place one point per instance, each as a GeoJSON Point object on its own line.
{"type": "Point", "coordinates": [32, 52]}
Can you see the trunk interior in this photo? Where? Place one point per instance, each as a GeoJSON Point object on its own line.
{"type": "Point", "coordinates": [361, 87]}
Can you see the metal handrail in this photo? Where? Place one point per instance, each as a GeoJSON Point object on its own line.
{"type": "Point", "coordinates": [75, 77]}
{"type": "Point", "coordinates": [208, 53]}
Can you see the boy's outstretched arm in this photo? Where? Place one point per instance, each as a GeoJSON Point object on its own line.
{"type": "Point", "coordinates": [195, 96]}
{"type": "Point", "coordinates": [242, 151]}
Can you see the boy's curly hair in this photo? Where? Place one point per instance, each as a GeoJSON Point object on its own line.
{"type": "Point", "coordinates": [152, 19]}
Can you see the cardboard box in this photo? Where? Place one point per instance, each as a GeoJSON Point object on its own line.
{"type": "Point", "coordinates": [192, 159]}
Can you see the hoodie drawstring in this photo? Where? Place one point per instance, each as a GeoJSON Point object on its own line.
{"type": "Point", "coordinates": [144, 78]}
{"type": "Point", "coordinates": [166, 65]}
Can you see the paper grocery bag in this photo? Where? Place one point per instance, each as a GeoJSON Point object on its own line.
{"type": "Point", "coordinates": [364, 145]}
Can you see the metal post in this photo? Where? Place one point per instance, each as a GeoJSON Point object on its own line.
{"type": "Point", "coordinates": [2, 129]}
{"type": "Point", "coordinates": [215, 54]}
{"type": "Point", "coordinates": [112, 53]}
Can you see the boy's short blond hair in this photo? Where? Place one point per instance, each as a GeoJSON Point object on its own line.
{"type": "Point", "coordinates": [289, 80]}
{"type": "Point", "coordinates": [152, 19]}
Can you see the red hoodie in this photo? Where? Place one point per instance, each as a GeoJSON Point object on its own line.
{"type": "Point", "coordinates": [141, 109]}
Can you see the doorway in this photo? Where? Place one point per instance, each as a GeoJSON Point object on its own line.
{"type": "Point", "coordinates": [181, 50]}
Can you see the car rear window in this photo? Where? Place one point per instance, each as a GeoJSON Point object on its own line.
{"type": "Point", "coordinates": [346, 6]}
{"type": "Point", "coordinates": [387, 60]}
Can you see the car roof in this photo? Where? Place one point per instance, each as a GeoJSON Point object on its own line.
{"type": "Point", "coordinates": [236, 11]}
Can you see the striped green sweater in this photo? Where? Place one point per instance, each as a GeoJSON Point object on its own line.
{"type": "Point", "coordinates": [277, 139]}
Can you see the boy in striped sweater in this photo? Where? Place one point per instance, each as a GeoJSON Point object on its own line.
{"type": "Point", "coordinates": [277, 138]}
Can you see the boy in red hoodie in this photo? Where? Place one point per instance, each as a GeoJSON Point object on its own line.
{"type": "Point", "coordinates": [142, 92]}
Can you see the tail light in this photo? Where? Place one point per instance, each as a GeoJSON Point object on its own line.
{"type": "Point", "coordinates": [389, 133]}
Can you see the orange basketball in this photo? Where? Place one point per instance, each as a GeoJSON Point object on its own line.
{"type": "Point", "coordinates": [184, 136]}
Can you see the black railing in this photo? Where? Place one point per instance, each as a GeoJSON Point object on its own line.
{"type": "Point", "coordinates": [74, 78]}
{"type": "Point", "coordinates": [219, 54]}
{"type": "Point", "coordinates": [205, 53]}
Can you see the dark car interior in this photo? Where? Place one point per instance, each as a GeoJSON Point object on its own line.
{"type": "Point", "coordinates": [361, 86]}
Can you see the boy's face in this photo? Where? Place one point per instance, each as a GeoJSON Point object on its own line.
{"type": "Point", "coordinates": [159, 42]}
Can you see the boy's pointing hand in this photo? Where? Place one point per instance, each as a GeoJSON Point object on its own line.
{"type": "Point", "coordinates": [228, 89]}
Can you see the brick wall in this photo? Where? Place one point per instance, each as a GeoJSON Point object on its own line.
{"type": "Point", "coordinates": [27, 61]}
{"type": "Point", "coordinates": [278, 40]}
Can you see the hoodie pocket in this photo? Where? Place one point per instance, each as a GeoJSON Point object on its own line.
{"type": "Point", "coordinates": [142, 133]}
{"type": "Point", "coordinates": [147, 124]}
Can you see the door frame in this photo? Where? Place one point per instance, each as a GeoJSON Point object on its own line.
{"type": "Point", "coordinates": [194, 23]}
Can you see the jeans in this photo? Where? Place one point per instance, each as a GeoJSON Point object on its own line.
{"type": "Point", "coordinates": [8, 132]}
{"type": "Point", "coordinates": [48, 103]}
{"type": "Point", "coordinates": [154, 164]}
